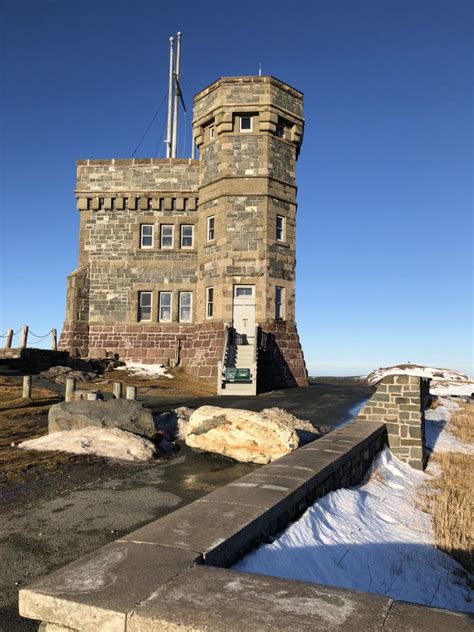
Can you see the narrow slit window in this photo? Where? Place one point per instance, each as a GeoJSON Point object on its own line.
{"type": "Point", "coordinates": [167, 235]}
{"type": "Point", "coordinates": [146, 236]}
{"type": "Point", "coordinates": [280, 228]}
{"type": "Point", "coordinates": [279, 303]}
{"type": "Point", "coordinates": [209, 302]}
{"type": "Point", "coordinates": [164, 307]}
{"type": "Point", "coordinates": [185, 305]}
{"type": "Point", "coordinates": [211, 132]}
{"type": "Point", "coordinates": [144, 306]}
{"type": "Point", "coordinates": [187, 236]}
{"type": "Point", "coordinates": [211, 230]}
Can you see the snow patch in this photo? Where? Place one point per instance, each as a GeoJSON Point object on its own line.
{"type": "Point", "coordinates": [437, 435]}
{"type": "Point", "coordinates": [443, 381]}
{"type": "Point", "coordinates": [145, 370]}
{"type": "Point", "coordinates": [371, 538]}
{"type": "Point", "coordinates": [110, 443]}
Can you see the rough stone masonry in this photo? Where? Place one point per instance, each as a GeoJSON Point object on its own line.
{"type": "Point", "coordinates": [400, 402]}
{"type": "Point", "coordinates": [164, 242]}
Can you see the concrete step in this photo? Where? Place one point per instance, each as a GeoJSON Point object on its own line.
{"type": "Point", "coordinates": [238, 388]}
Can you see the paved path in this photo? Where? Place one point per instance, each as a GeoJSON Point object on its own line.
{"type": "Point", "coordinates": [50, 522]}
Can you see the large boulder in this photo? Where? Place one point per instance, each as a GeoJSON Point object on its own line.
{"type": "Point", "coordinates": [243, 435]}
{"type": "Point", "coordinates": [304, 429]}
{"type": "Point", "coordinates": [116, 413]}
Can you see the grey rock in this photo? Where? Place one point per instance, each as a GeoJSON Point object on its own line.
{"type": "Point", "coordinates": [117, 413]}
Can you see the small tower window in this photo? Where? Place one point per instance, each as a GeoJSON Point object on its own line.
{"type": "Point", "coordinates": [144, 306]}
{"type": "Point", "coordinates": [279, 303]}
{"type": "Point", "coordinates": [280, 228]}
{"type": "Point", "coordinates": [209, 302]}
{"type": "Point", "coordinates": [211, 231]}
{"type": "Point", "coordinates": [245, 123]}
{"type": "Point", "coordinates": [211, 132]}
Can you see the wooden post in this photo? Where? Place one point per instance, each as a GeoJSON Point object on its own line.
{"type": "Point", "coordinates": [117, 390]}
{"type": "Point", "coordinates": [131, 392]}
{"type": "Point", "coordinates": [54, 339]}
{"type": "Point", "coordinates": [8, 339]}
{"type": "Point", "coordinates": [24, 337]}
{"type": "Point", "coordinates": [70, 389]}
{"type": "Point", "coordinates": [26, 387]}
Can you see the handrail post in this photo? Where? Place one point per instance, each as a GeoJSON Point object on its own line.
{"type": "Point", "coordinates": [24, 337]}
{"type": "Point", "coordinates": [8, 339]}
{"type": "Point", "coordinates": [54, 339]}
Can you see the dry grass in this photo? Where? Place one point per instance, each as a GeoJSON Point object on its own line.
{"type": "Point", "coordinates": [450, 501]}
{"type": "Point", "coordinates": [461, 423]}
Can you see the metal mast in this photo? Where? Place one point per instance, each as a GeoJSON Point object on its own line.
{"type": "Point", "coordinates": [176, 93]}
{"type": "Point", "coordinates": [169, 131]}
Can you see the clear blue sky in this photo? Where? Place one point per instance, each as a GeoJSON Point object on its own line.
{"type": "Point", "coordinates": [385, 174]}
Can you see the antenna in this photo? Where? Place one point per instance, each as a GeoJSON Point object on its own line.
{"type": "Point", "coordinates": [169, 130]}
{"type": "Point", "coordinates": [177, 95]}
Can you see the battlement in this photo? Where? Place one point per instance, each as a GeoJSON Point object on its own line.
{"type": "Point", "coordinates": [136, 174]}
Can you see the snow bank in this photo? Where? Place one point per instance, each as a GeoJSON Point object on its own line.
{"type": "Point", "coordinates": [444, 381]}
{"type": "Point", "coordinates": [370, 538]}
{"type": "Point", "coordinates": [437, 436]}
{"type": "Point", "coordinates": [110, 443]}
{"type": "Point", "coordinates": [145, 370]}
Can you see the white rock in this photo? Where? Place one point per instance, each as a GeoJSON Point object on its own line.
{"type": "Point", "coordinates": [240, 434]}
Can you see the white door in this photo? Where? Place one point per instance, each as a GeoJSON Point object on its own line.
{"type": "Point", "coordinates": [244, 311]}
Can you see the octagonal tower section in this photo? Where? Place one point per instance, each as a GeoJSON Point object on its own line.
{"type": "Point", "coordinates": [249, 131]}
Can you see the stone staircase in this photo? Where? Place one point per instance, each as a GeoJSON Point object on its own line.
{"type": "Point", "coordinates": [237, 373]}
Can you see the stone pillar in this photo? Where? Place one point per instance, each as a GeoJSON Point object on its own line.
{"type": "Point", "coordinates": [400, 402]}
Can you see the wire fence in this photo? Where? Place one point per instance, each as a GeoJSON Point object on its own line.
{"type": "Point", "coordinates": [19, 338]}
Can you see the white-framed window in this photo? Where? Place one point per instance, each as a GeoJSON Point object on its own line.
{"type": "Point", "coordinates": [245, 123]}
{"type": "Point", "coordinates": [164, 307]}
{"type": "Point", "coordinates": [242, 290]}
{"type": "Point", "coordinates": [279, 303]}
{"type": "Point", "coordinates": [209, 302]}
{"type": "Point", "coordinates": [280, 228]}
{"type": "Point", "coordinates": [146, 235]}
{"type": "Point", "coordinates": [185, 307]}
{"type": "Point", "coordinates": [211, 132]}
{"type": "Point", "coordinates": [144, 306]}
{"type": "Point", "coordinates": [187, 236]}
{"type": "Point", "coordinates": [211, 228]}
{"type": "Point", "coordinates": [167, 231]}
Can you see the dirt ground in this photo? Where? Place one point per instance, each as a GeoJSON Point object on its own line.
{"type": "Point", "coordinates": [28, 419]}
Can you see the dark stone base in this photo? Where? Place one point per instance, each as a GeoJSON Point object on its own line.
{"type": "Point", "coordinates": [197, 347]}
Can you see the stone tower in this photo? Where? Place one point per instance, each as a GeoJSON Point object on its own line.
{"type": "Point", "coordinates": [193, 261]}
{"type": "Point", "coordinates": [249, 132]}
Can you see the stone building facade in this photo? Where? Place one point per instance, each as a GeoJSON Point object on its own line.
{"type": "Point", "coordinates": [173, 252]}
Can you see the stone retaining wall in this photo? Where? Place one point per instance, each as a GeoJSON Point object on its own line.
{"type": "Point", "coordinates": [173, 573]}
{"type": "Point", "coordinates": [32, 360]}
{"type": "Point", "coordinates": [400, 402]}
